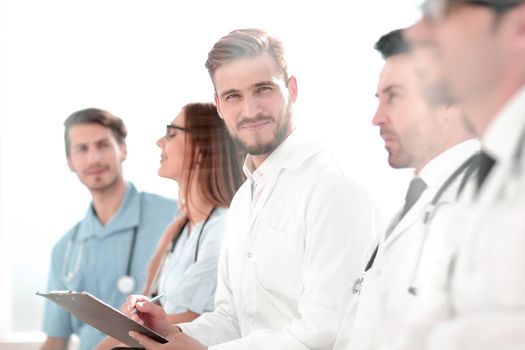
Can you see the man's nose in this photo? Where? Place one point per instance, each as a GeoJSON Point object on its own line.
{"type": "Point", "coordinates": [251, 107]}
{"type": "Point", "coordinates": [95, 155]}
{"type": "Point", "coordinates": [379, 117]}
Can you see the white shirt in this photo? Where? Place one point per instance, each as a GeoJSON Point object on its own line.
{"type": "Point", "coordinates": [487, 293]}
{"type": "Point", "coordinates": [256, 177]}
{"type": "Point", "coordinates": [376, 316]}
{"type": "Point", "coordinates": [286, 269]}
{"type": "Point", "coordinates": [189, 283]}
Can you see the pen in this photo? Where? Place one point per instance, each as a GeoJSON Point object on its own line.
{"type": "Point", "coordinates": [161, 295]}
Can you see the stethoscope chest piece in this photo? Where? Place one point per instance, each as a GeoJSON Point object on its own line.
{"type": "Point", "coordinates": [126, 284]}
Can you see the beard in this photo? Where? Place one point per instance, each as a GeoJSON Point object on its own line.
{"type": "Point", "coordinates": [103, 183]}
{"type": "Point", "coordinates": [280, 133]}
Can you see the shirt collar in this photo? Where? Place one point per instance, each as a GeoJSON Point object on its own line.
{"type": "Point", "coordinates": [436, 172]}
{"type": "Point", "coordinates": [126, 217]}
{"type": "Point", "coordinates": [500, 139]}
{"type": "Point", "coordinates": [290, 154]}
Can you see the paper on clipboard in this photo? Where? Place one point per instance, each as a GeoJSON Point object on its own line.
{"type": "Point", "coordinates": [100, 315]}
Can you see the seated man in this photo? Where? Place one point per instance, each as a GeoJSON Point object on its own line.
{"type": "Point", "coordinates": [296, 229]}
{"type": "Point", "coordinates": [107, 252]}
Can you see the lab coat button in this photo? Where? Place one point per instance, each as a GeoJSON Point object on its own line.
{"type": "Point", "coordinates": [378, 273]}
{"type": "Point", "coordinates": [249, 254]}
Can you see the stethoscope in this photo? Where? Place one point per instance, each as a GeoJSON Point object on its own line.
{"type": "Point", "coordinates": [467, 167]}
{"type": "Point", "coordinates": [471, 166]}
{"type": "Point", "coordinates": [125, 283]}
{"type": "Point", "coordinates": [176, 238]}
{"type": "Point", "coordinates": [154, 284]}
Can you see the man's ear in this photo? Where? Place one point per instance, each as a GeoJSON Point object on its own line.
{"type": "Point", "coordinates": [292, 89]}
{"type": "Point", "coordinates": [217, 105]}
{"type": "Point", "coordinates": [519, 27]}
{"type": "Point", "coordinates": [70, 165]}
{"type": "Point", "coordinates": [123, 151]}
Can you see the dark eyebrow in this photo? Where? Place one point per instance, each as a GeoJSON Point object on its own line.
{"type": "Point", "coordinates": [264, 83]}
{"type": "Point", "coordinates": [389, 88]}
{"type": "Point", "coordinates": [256, 85]}
{"type": "Point", "coordinates": [78, 145]}
{"type": "Point", "coordinates": [227, 92]}
{"type": "Point", "coordinates": [104, 139]}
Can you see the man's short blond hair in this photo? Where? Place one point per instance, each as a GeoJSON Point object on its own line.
{"type": "Point", "coordinates": [244, 43]}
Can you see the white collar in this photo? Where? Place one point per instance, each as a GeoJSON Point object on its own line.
{"type": "Point", "coordinates": [436, 172]}
{"type": "Point", "coordinates": [289, 154]}
{"type": "Point", "coordinates": [500, 138]}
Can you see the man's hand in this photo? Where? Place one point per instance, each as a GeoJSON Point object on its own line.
{"type": "Point", "coordinates": [177, 341]}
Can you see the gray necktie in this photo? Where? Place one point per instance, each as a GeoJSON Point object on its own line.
{"type": "Point", "coordinates": [415, 189]}
{"type": "Point", "coordinates": [485, 164]}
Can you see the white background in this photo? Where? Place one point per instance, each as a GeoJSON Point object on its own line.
{"type": "Point", "coordinates": [142, 60]}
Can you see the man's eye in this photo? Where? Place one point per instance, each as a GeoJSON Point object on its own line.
{"type": "Point", "coordinates": [263, 89]}
{"type": "Point", "coordinates": [231, 97]}
{"type": "Point", "coordinates": [392, 96]}
{"type": "Point", "coordinates": [79, 150]}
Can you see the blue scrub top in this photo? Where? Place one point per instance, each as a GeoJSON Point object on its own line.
{"type": "Point", "coordinates": [98, 256]}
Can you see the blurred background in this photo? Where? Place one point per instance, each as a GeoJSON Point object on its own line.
{"type": "Point", "coordinates": [142, 60]}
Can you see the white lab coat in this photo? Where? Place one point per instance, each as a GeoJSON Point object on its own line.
{"type": "Point", "coordinates": [380, 312]}
{"type": "Point", "coordinates": [487, 292]}
{"type": "Point", "coordinates": [287, 266]}
{"type": "Point", "coordinates": [481, 304]}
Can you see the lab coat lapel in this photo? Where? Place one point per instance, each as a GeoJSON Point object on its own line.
{"type": "Point", "coordinates": [292, 153]}
{"type": "Point", "coordinates": [254, 214]}
{"type": "Point", "coordinates": [264, 197]}
{"type": "Point", "coordinates": [410, 219]}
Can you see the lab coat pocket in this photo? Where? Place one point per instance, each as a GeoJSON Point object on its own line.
{"type": "Point", "coordinates": [280, 262]}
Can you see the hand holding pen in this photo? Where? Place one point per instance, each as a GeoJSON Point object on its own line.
{"type": "Point", "coordinates": [143, 310]}
{"type": "Point", "coordinates": [153, 300]}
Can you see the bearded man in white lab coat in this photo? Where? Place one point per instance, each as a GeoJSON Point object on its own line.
{"type": "Point", "coordinates": [297, 228]}
{"type": "Point", "coordinates": [481, 45]}
{"type": "Point", "coordinates": [423, 129]}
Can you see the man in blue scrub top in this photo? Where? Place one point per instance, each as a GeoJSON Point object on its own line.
{"type": "Point", "coordinates": [107, 253]}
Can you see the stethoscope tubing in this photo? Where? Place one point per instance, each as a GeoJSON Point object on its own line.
{"type": "Point", "coordinates": [199, 236]}
{"type": "Point", "coordinates": [69, 275]}
{"type": "Point", "coordinates": [430, 211]}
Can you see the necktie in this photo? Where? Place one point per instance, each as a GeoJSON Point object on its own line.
{"type": "Point", "coordinates": [485, 164]}
{"type": "Point", "coordinates": [415, 189]}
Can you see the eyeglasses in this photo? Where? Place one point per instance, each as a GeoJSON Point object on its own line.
{"type": "Point", "coordinates": [437, 10]}
{"type": "Point", "coordinates": [176, 127]}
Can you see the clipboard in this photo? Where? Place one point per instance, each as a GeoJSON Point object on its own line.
{"type": "Point", "coordinates": [102, 316]}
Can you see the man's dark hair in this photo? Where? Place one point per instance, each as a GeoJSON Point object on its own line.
{"type": "Point", "coordinates": [393, 43]}
{"type": "Point", "coordinates": [95, 116]}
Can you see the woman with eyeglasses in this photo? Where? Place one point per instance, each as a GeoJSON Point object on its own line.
{"type": "Point", "coordinates": [199, 154]}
